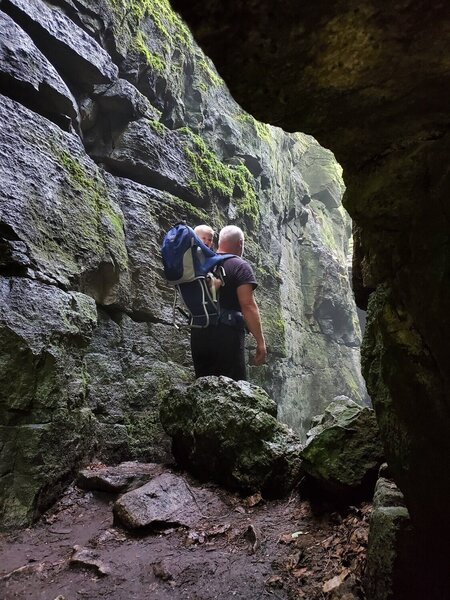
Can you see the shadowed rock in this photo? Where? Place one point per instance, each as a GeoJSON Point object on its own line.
{"type": "Point", "coordinates": [344, 450]}
{"type": "Point", "coordinates": [43, 331]}
{"type": "Point", "coordinates": [391, 555]}
{"type": "Point", "coordinates": [121, 97]}
{"type": "Point", "coordinates": [226, 431]}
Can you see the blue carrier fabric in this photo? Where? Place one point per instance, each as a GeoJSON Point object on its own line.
{"type": "Point", "coordinates": [188, 264]}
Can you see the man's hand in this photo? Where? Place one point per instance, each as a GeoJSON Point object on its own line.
{"type": "Point", "coordinates": [260, 355]}
{"type": "Point", "coordinates": [250, 311]}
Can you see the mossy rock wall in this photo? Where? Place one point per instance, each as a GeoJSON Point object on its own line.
{"type": "Point", "coordinates": [143, 134]}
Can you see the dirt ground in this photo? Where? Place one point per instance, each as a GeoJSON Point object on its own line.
{"type": "Point", "coordinates": [242, 548]}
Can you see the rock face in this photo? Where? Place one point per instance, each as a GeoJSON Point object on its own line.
{"type": "Point", "coordinates": [343, 451]}
{"type": "Point", "coordinates": [113, 126]}
{"type": "Point", "coordinates": [226, 431]}
{"type": "Point", "coordinates": [371, 82]}
{"type": "Point", "coordinates": [391, 555]}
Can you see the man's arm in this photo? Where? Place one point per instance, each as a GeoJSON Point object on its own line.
{"type": "Point", "coordinates": [252, 318]}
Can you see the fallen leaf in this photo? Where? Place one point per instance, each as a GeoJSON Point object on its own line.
{"type": "Point", "coordinates": [300, 573]}
{"type": "Point", "coordinates": [218, 530]}
{"type": "Point", "coordinates": [335, 582]}
{"type": "Point", "coordinates": [297, 534]}
{"type": "Point", "coordinates": [253, 538]}
{"type": "Point", "coordinates": [161, 572]}
{"type": "Point", "coordinates": [294, 560]}
{"type": "Point", "coordinates": [253, 500]}
{"type": "Point", "coordinates": [275, 581]}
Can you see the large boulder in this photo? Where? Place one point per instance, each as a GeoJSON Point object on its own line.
{"type": "Point", "coordinates": [343, 450]}
{"type": "Point", "coordinates": [226, 431]}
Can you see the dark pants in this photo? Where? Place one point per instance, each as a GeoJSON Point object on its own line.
{"type": "Point", "coordinates": [219, 350]}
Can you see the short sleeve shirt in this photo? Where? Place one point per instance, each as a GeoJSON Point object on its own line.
{"type": "Point", "coordinates": [237, 272]}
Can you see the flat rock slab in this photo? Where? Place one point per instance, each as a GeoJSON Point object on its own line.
{"type": "Point", "coordinates": [123, 98]}
{"type": "Point", "coordinates": [21, 63]}
{"type": "Point", "coordinates": [68, 44]}
{"type": "Point", "coordinates": [123, 477]}
{"type": "Point", "coordinates": [166, 500]}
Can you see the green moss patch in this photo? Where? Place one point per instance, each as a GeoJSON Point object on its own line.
{"type": "Point", "coordinates": [139, 44]}
{"type": "Point", "coordinates": [213, 178]}
{"type": "Point", "coordinates": [94, 194]}
{"type": "Point", "coordinates": [166, 21]}
{"type": "Point", "coordinates": [261, 129]}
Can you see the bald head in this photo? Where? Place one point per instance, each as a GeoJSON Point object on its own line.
{"type": "Point", "coordinates": [231, 240]}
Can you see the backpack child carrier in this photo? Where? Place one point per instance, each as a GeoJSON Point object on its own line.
{"type": "Point", "coordinates": [188, 264]}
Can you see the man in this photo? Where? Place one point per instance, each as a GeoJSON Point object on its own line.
{"type": "Point", "coordinates": [220, 349]}
{"type": "Point", "coordinates": [205, 233]}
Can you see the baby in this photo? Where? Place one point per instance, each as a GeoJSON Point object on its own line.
{"type": "Point", "coordinates": [206, 234]}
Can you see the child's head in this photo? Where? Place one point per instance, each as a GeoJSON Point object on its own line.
{"type": "Point", "coordinates": [205, 233]}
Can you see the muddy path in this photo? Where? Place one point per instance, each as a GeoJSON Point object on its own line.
{"type": "Point", "coordinates": [243, 548]}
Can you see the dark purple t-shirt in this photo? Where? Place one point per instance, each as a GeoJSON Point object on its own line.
{"type": "Point", "coordinates": [237, 272]}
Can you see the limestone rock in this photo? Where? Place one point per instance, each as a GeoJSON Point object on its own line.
{"type": "Point", "coordinates": [148, 213]}
{"type": "Point", "coordinates": [75, 52]}
{"type": "Point", "coordinates": [28, 74]}
{"type": "Point", "coordinates": [150, 153]}
{"type": "Point", "coordinates": [56, 202]}
{"type": "Point", "coordinates": [390, 553]}
{"type": "Point", "coordinates": [124, 477]}
{"type": "Point", "coordinates": [227, 431]}
{"type": "Point", "coordinates": [122, 97]}
{"type": "Point", "coordinates": [166, 500]}
{"type": "Point", "coordinates": [343, 450]}
{"type": "Point", "coordinates": [86, 557]}
{"type": "Point", "coordinates": [143, 360]}
{"type": "Point", "coordinates": [43, 331]}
